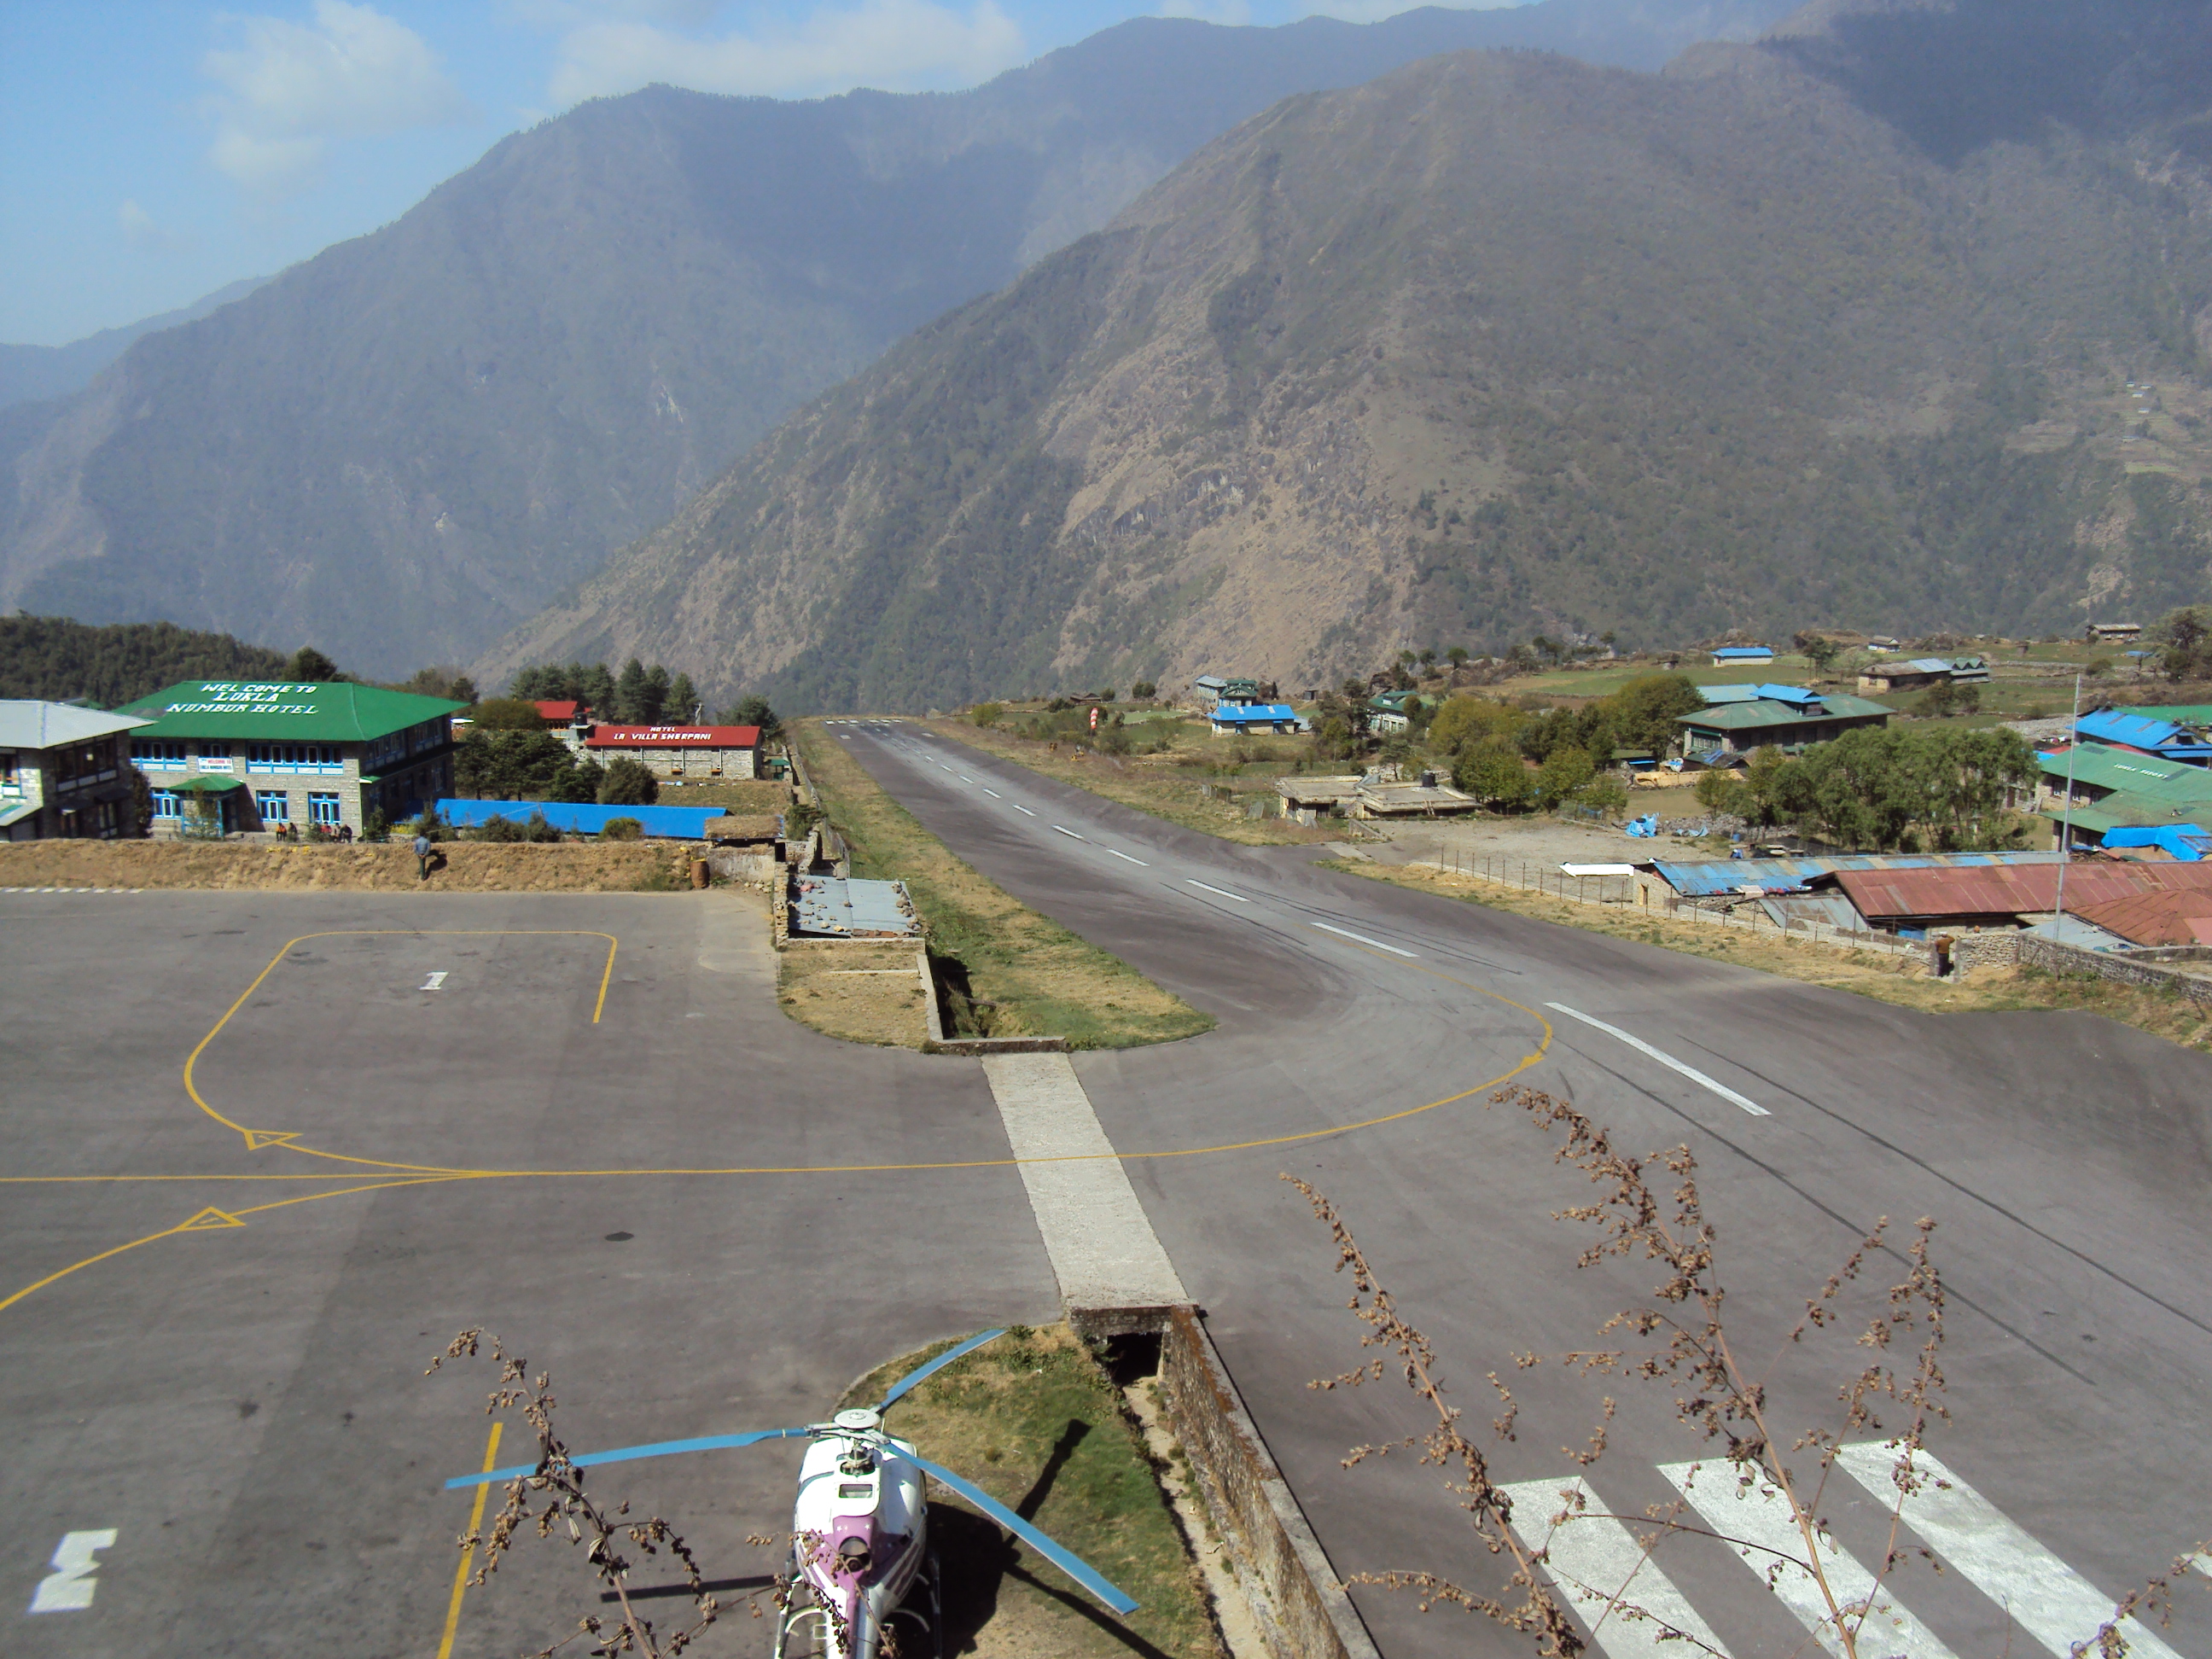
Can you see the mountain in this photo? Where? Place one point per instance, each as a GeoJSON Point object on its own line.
{"type": "Point", "coordinates": [30, 373]}
{"type": "Point", "coordinates": [403, 447]}
{"type": "Point", "coordinates": [1844, 326]}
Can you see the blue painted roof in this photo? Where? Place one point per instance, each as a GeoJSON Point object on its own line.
{"type": "Point", "coordinates": [2190, 843]}
{"type": "Point", "coordinates": [1266, 713]}
{"type": "Point", "coordinates": [1796, 695]}
{"type": "Point", "coordinates": [2111, 725]}
{"type": "Point", "coordinates": [680, 822]}
{"type": "Point", "coordinates": [1745, 652]}
{"type": "Point", "coordinates": [1708, 878]}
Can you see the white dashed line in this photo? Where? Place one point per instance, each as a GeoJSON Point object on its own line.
{"type": "Point", "coordinates": [1224, 891]}
{"type": "Point", "coordinates": [1346, 932]}
{"type": "Point", "coordinates": [1070, 834]}
{"type": "Point", "coordinates": [1019, 807]}
{"type": "Point", "coordinates": [1667, 1060]}
{"type": "Point", "coordinates": [1125, 858]}
{"type": "Point", "coordinates": [993, 793]}
{"type": "Point", "coordinates": [963, 777]}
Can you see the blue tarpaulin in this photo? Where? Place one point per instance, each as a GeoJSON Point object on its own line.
{"type": "Point", "coordinates": [1712, 876]}
{"type": "Point", "coordinates": [677, 823]}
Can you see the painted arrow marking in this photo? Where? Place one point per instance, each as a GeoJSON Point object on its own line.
{"type": "Point", "coordinates": [68, 1587]}
{"type": "Point", "coordinates": [257, 1138]}
{"type": "Point", "coordinates": [209, 1220]}
{"type": "Point", "coordinates": [436, 982]}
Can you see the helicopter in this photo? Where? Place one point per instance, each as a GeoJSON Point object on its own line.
{"type": "Point", "coordinates": [860, 1526]}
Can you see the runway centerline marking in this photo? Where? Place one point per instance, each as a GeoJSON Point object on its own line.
{"type": "Point", "coordinates": [1070, 834]}
{"type": "Point", "coordinates": [1346, 932]}
{"type": "Point", "coordinates": [1125, 858]}
{"type": "Point", "coordinates": [993, 793]}
{"type": "Point", "coordinates": [436, 982]}
{"type": "Point", "coordinates": [1019, 807]}
{"type": "Point", "coordinates": [1664, 1059]}
{"type": "Point", "coordinates": [1224, 891]}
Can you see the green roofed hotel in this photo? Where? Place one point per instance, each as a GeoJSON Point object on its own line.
{"type": "Point", "coordinates": [266, 755]}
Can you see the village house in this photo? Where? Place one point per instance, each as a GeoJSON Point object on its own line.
{"type": "Point", "coordinates": [681, 754]}
{"type": "Point", "coordinates": [63, 771]}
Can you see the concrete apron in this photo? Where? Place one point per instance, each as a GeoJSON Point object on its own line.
{"type": "Point", "coordinates": [1116, 1279]}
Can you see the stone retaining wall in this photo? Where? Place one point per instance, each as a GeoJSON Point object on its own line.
{"type": "Point", "coordinates": [2131, 968]}
{"type": "Point", "coordinates": [1295, 1597]}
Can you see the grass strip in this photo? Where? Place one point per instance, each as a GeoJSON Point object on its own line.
{"type": "Point", "coordinates": [1009, 971]}
{"type": "Point", "coordinates": [1159, 785]}
{"type": "Point", "coordinates": [1034, 1421]}
{"type": "Point", "coordinates": [1903, 981]}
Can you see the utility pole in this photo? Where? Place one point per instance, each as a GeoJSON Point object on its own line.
{"type": "Point", "coordinates": [2066, 818]}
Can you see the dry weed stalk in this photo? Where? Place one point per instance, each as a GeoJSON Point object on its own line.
{"type": "Point", "coordinates": [569, 1507]}
{"type": "Point", "coordinates": [1684, 1343]}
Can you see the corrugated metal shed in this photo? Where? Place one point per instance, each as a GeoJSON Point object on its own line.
{"type": "Point", "coordinates": [2097, 766]}
{"type": "Point", "coordinates": [28, 723]}
{"type": "Point", "coordinates": [1709, 878]}
{"type": "Point", "coordinates": [1892, 896]}
{"type": "Point", "coordinates": [1828, 910]}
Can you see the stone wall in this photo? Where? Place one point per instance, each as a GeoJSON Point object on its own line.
{"type": "Point", "coordinates": [2144, 967]}
{"type": "Point", "coordinates": [1295, 1597]}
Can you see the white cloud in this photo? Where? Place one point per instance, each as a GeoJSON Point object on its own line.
{"type": "Point", "coordinates": [147, 236]}
{"type": "Point", "coordinates": [288, 87]}
{"type": "Point", "coordinates": [896, 45]}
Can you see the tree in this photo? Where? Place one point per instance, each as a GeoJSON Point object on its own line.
{"type": "Point", "coordinates": [578, 783]}
{"type": "Point", "coordinates": [461, 688]}
{"type": "Point", "coordinates": [653, 703]}
{"type": "Point", "coordinates": [310, 667]}
{"type": "Point", "coordinates": [1465, 721]}
{"type": "Point", "coordinates": [595, 689]}
{"type": "Point", "coordinates": [628, 783]}
{"type": "Point", "coordinates": [509, 765]}
{"type": "Point", "coordinates": [2187, 637]}
{"type": "Point", "coordinates": [507, 714]}
{"type": "Point", "coordinates": [1643, 714]}
{"type": "Point", "coordinates": [1428, 656]}
{"type": "Point", "coordinates": [754, 711]}
{"type": "Point", "coordinates": [1490, 769]}
{"type": "Point", "coordinates": [1821, 651]}
{"type": "Point", "coordinates": [1457, 656]}
{"type": "Point", "coordinates": [630, 694]}
{"type": "Point", "coordinates": [1144, 692]}
{"type": "Point", "coordinates": [142, 804]}
{"type": "Point", "coordinates": [682, 701]}
{"type": "Point", "coordinates": [1565, 773]}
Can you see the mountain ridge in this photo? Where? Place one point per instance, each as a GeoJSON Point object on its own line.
{"type": "Point", "coordinates": [403, 446]}
{"type": "Point", "coordinates": [1660, 354]}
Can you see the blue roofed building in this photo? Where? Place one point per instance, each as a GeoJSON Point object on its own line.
{"type": "Point", "coordinates": [1248, 717]}
{"type": "Point", "coordinates": [2147, 735]}
{"type": "Point", "coordinates": [1742, 656]}
{"type": "Point", "coordinates": [1790, 718]}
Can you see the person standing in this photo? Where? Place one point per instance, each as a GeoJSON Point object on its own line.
{"type": "Point", "coordinates": [422, 849]}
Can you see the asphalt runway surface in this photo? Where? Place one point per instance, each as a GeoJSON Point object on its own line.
{"type": "Point", "coordinates": [2065, 1158]}
{"type": "Point", "coordinates": [241, 1403]}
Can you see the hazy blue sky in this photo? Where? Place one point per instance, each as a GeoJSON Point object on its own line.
{"type": "Point", "coordinates": [153, 150]}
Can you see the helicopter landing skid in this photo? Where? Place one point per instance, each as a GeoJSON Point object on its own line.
{"type": "Point", "coordinates": [804, 1631]}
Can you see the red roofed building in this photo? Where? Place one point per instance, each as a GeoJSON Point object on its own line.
{"type": "Point", "coordinates": [559, 714]}
{"type": "Point", "coordinates": [680, 752]}
{"type": "Point", "coordinates": [1976, 896]}
{"type": "Point", "coordinates": [2166, 917]}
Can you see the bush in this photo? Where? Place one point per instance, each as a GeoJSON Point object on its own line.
{"type": "Point", "coordinates": [627, 783]}
{"type": "Point", "coordinates": [621, 830]}
{"type": "Point", "coordinates": [499, 829]}
{"type": "Point", "coordinates": [1144, 692]}
{"type": "Point", "coordinates": [985, 714]}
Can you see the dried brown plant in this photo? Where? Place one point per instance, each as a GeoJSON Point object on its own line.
{"type": "Point", "coordinates": [1649, 1209]}
{"type": "Point", "coordinates": [566, 1507]}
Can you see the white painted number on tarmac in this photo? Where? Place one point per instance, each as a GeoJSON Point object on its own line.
{"type": "Point", "coordinates": [68, 1587]}
{"type": "Point", "coordinates": [436, 982]}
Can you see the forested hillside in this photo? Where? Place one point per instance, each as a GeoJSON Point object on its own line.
{"type": "Point", "coordinates": [57, 659]}
{"type": "Point", "coordinates": [405, 446]}
{"type": "Point", "coordinates": [1894, 321]}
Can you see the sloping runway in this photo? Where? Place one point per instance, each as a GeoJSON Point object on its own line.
{"type": "Point", "coordinates": [2064, 1157]}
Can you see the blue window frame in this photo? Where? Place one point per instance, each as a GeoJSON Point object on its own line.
{"type": "Point", "coordinates": [158, 754]}
{"type": "Point", "coordinates": [324, 809]}
{"type": "Point", "coordinates": [168, 804]}
{"type": "Point", "coordinates": [274, 805]}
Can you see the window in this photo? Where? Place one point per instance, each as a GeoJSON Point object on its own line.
{"type": "Point", "coordinates": [158, 754]}
{"type": "Point", "coordinates": [323, 808]}
{"type": "Point", "coordinates": [274, 805]}
{"type": "Point", "coordinates": [293, 757]}
{"type": "Point", "coordinates": [168, 804]}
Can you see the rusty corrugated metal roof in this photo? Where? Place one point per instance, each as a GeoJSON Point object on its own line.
{"type": "Point", "coordinates": [2162, 917]}
{"type": "Point", "coordinates": [2008, 889]}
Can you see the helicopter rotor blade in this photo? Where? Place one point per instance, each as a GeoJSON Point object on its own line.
{"type": "Point", "coordinates": [913, 1379]}
{"type": "Point", "coordinates": [625, 1454]}
{"type": "Point", "coordinates": [1066, 1559]}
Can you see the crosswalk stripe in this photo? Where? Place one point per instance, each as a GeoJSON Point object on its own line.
{"type": "Point", "coordinates": [1761, 1519]}
{"type": "Point", "coordinates": [2052, 1603]}
{"type": "Point", "coordinates": [1603, 1553]}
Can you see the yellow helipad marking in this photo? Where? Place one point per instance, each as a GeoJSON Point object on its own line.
{"type": "Point", "coordinates": [207, 1220]}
